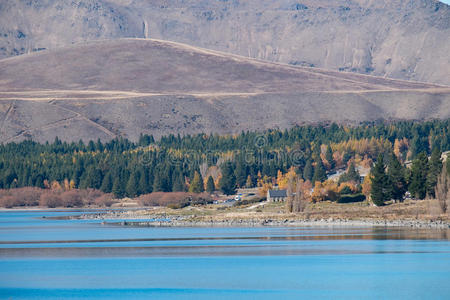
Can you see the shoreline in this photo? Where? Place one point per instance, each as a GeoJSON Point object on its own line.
{"type": "Point", "coordinates": [139, 217]}
{"type": "Point", "coordinates": [286, 223]}
{"type": "Point", "coordinates": [162, 220]}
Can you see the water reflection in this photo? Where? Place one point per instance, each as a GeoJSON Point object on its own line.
{"type": "Point", "coordinates": [58, 259]}
{"type": "Point", "coordinates": [27, 234]}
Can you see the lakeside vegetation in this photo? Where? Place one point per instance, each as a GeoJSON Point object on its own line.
{"type": "Point", "coordinates": [300, 159]}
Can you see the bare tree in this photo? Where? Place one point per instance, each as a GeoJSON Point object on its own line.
{"type": "Point", "coordinates": [442, 191]}
{"type": "Point", "coordinates": [290, 196]}
{"type": "Point", "coordinates": [299, 202]}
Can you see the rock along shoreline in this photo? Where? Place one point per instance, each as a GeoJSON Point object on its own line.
{"type": "Point", "coordinates": [187, 221]}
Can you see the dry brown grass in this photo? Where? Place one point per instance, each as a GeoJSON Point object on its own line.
{"type": "Point", "coordinates": [408, 210]}
{"type": "Point", "coordinates": [84, 85]}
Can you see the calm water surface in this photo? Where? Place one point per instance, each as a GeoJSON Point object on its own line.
{"type": "Point", "coordinates": [48, 258]}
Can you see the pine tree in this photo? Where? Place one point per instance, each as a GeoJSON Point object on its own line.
{"type": "Point", "coordinates": [351, 175]}
{"type": "Point", "coordinates": [241, 174]}
{"type": "Point", "coordinates": [99, 145]}
{"type": "Point", "coordinates": [107, 183]}
{"type": "Point", "coordinates": [396, 178]}
{"type": "Point", "coordinates": [39, 182]}
{"type": "Point", "coordinates": [178, 184]}
{"type": "Point", "coordinates": [329, 158]}
{"type": "Point", "coordinates": [227, 182]}
{"type": "Point", "coordinates": [319, 171]}
{"type": "Point", "coordinates": [161, 180]}
{"type": "Point", "coordinates": [132, 185]}
{"type": "Point", "coordinates": [118, 188]}
{"type": "Point", "coordinates": [92, 178]}
{"type": "Point", "coordinates": [196, 185]}
{"type": "Point", "coordinates": [419, 170]}
{"type": "Point", "coordinates": [378, 178]}
{"type": "Point", "coordinates": [418, 145]}
{"type": "Point", "coordinates": [144, 185]}
{"type": "Point", "coordinates": [210, 187]}
{"type": "Point", "coordinates": [347, 156]}
{"type": "Point", "coordinates": [434, 169]}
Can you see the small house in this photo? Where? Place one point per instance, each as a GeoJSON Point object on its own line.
{"type": "Point", "coordinates": [276, 195]}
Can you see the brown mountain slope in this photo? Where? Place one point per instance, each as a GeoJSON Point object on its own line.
{"type": "Point", "coordinates": [132, 86]}
{"type": "Point", "coordinates": [405, 39]}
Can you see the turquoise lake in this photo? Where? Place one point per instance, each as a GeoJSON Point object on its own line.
{"type": "Point", "coordinates": [46, 258]}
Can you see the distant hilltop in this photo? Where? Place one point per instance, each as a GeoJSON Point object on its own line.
{"type": "Point", "coordinates": [127, 87]}
{"type": "Point", "coordinates": [403, 39]}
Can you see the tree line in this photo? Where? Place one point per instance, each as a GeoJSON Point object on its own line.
{"type": "Point", "coordinates": [202, 162]}
{"type": "Point", "coordinates": [390, 180]}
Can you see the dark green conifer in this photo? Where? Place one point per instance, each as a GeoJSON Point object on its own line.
{"type": "Point", "coordinates": [419, 170]}
{"type": "Point", "coordinates": [329, 157]}
{"type": "Point", "coordinates": [196, 185]}
{"type": "Point", "coordinates": [319, 172]}
{"type": "Point", "coordinates": [378, 192]}
{"type": "Point", "coordinates": [131, 188]}
{"type": "Point", "coordinates": [396, 179]}
{"type": "Point", "coordinates": [210, 186]}
{"type": "Point", "coordinates": [118, 187]}
{"type": "Point", "coordinates": [107, 183]}
{"type": "Point", "coordinates": [178, 182]}
{"type": "Point", "coordinates": [352, 174]}
{"type": "Point", "coordinates": [241, 174]}
{"type": "Point", "coordinates": [227, 182]}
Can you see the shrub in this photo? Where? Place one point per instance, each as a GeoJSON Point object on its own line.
{"type": "Point", "coordinates": [7, 201]}
{"type": "Point", "coordinates": [50, 200]}
{"type": "Point", "coordinates": [27, 196]}
{"type": "Point", "coordinates": [89, 196]}
{"type": "Point", "coordinates": [248, 201]}
{"type": "Point", "coordinates": [71, 199]}
{"type": "Point", "coordinates": [200, 199]}
{"type": "Point", "coordinates": [178, 205]}
{"type": "Point", "coordinates": [31, 196]}
{"type": "Point", "coordinates": [105, 200]}
{"type": "Point", "coordinates": [175, 199]}
{"type": "Point", "coordinates": [351, 198]}
{"type": "Point", "coordinates": [346, 190]}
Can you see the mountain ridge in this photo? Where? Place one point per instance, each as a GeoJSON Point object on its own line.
{"type": "Point", "coordinates": [127, 87]}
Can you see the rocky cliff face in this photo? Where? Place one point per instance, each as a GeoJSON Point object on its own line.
{"type": "Point", "coordinates": [405, 39]}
